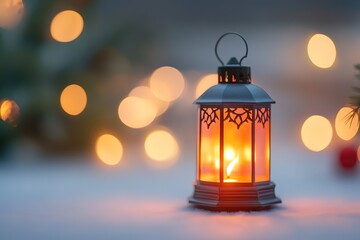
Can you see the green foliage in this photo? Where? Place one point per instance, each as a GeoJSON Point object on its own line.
{"type": "Point", "coordinates": [355, 100]}
{"type": "Point", "coordinates": [103, 66]}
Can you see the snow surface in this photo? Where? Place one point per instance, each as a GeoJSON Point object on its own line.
{"type": "Point", "coordinates": [90, 201]}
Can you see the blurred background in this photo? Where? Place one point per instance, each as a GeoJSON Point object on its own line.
{"type": "Point", "coordinates": [73, 71]}
{"type": "Point", "coordinates": [96, 106]}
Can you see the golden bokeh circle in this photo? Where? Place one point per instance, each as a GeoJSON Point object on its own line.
{"type": "Point", "coordinates": [167, 83]}
{"type": "Point", "coordinates": [205, 83]}
{"type": "Point", "coordinates": [145, 93]}
{"type": "Point", "coordinates": [345, 127]}
{"type": "Point", "coordinates": [136, 112]}
{"type": "Point", "coordinates": [66, 26]}
{"type": "Point", "coordinates": [109, 149]}
{"type": "Point", "coordinates": [161, 146]}
{"type": "Point", "coordinates": [321, 51]}
{"type": "Point", "coordinates": [9, 112]}
{"type": "Point", "coordinates": [73, 99]}
{"type": "Point", "coordinates": [316, 133]}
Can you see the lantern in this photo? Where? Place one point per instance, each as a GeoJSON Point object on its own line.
{"type": "Point", "coordinates": [233, 146]}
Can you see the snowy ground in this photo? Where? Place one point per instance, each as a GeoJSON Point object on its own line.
{"type": "Point", "coordinates": [77, 201]}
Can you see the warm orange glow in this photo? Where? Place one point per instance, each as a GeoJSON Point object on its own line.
{"type": "Point", "coordinates": [321, 50]}
{"type": "Point", "coordinates": [262, 151]}
{"type": "Point", "coordinates": [237, 149]}
{"type": "Point", "coordinates": [109, 149]}
{"type": "Point", "coordinates": [136, 112]}
{"type": "Point", "coordinates": [167, 83]}
{"type": "Point", "coordinates": [358, 153]}
{"type": "Point", "coordinates": [316, 133]}
{"type": "Point", "coordinates": [237, 154]}
{"type": "Point", "coordinates": [229, 154]}
{"type": "Point", "coordinates": [9, 112]}
{"type": "Point", "coordinates": [205, 83]}
{"type": "Point", "coordinates": [247, 152]}
{"type": "Point", "coordinates": [217, 164]}
{"type": "Point", "coordinates": [66, 26]}
{"type": "Point", "coordinates": [346, 129]}
{"type": "Point", "coordinates": [239, 140]}
{"type": "Point", "coordinates": [73, 99]}
{"type": "Point", "coordinates": [210, 151]}
{"type": "Point", "coordinates": [146, 94]}
{"type": "Point", "coordinates": [11, 12]}
{"type": "Point", "coordinates": [161, 146]}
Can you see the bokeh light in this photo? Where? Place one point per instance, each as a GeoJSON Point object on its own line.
{"type": "Point", "coordinates": [205, 83]}
{"type": "Point", "coordinates": [167, 83]}
{"type": "Point", "coordinates": [11, 12]}
{"type": "Point", "coordinates": [358, 153]}
{"type": "Point", "coordinates": [145, 93]}
{"type": "Point", "coordinates": [346, 128]}
{"type": "Point", "coordinates": [321, 50]}
{"type": "Point", "coordinates": [109, 149]}
{"type": "Point", "coordinates": [161, 146]}
{"type": "Point", "coordinates": [9, 112]}
{"type": "Point", "coordinates": [73, 99]}
{"type": "Point", "coordinates": [136, 112]}
{"type": "Point", "coordinates": [316, 133]}
{"type": "Point", "coordinates": [66, 26]}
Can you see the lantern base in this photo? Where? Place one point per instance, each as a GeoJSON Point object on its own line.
{"type": "Point", "coordinates": [234, 196]}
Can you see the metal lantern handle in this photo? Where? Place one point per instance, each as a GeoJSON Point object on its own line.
{"type": "Point", "coordinates": [231, 33]}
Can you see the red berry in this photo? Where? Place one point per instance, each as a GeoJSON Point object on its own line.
{"type": "Point", "coordinates": [348, 158]}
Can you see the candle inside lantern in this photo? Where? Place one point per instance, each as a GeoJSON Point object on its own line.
{"type": "Point", "coordinates": [235, 163]}
{"type": "Point", "coordinates": [231, 160]}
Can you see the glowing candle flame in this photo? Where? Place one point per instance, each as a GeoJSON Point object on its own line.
{"type": "Point", "coordinates": [217, 163]}
{"type": "Point", "coordinates": [229, 154]}
{"type": "Point", "coordinates": [231, 166]}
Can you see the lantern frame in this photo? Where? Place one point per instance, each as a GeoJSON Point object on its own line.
{"type": "Point", "coordinates": [234, 91]}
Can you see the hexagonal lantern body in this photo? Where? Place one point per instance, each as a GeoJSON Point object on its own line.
{"type": "Point", "coordinates": [233, 148]}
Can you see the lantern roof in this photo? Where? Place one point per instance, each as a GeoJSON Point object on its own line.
{"type": "Point", "coordinates": [234, 83]}
{"type": "Point", "coordinates": [234, 93]}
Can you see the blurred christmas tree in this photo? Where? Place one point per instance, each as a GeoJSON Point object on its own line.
{"type": "Point", "coordinates": [34, 69]}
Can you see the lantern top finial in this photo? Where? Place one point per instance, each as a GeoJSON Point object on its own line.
{"type": "Point", "coordinates": [234, 83]}
{"type": "Point", "coordinates": [233, 58]}
{"type": "Point", "coordinates": [233, 71]}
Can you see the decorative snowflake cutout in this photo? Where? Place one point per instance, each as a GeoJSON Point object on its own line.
{"type": "Point", "coordinates": [262, 115]}
{"type": "Point", "coordinates": [209, 115]}
{"type": "Point", "coordinates": [238, 115]}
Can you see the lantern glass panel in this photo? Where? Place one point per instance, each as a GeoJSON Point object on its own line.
{"type": "Point", "coordinates": [262, 145]}
{"type": "Point", "coordinates": [237, 144]}
{"type": "Point", "coordinates": [209, 144]}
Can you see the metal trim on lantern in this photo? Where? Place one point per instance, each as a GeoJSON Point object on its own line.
{"type": "Point", "coordinates": [229, 107]}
